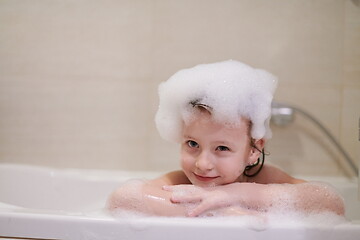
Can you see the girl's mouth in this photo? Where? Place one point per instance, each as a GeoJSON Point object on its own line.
{"type": "Point", "coordinates": [204, 178]}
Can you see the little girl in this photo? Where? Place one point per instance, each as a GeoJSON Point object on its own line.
{"type": "Point", "coordinates": [219, 114]}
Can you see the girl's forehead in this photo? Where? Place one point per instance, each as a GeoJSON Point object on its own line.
{"type": "Point", "coordinates": [205, 117]}
{"type": "Point", "coordinates": [203, 121]}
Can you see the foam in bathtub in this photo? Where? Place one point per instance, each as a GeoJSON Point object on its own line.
{"type": "Point", "coordinates": [257, 222]}
{"type": "Point", "coordinates": [284, 213]}
{"type": "Point", "coordinates": [231, 88]}
{"type": "Point", "coordinates": [292, 198]}
{"type": "Point", "coordinates": [281, 214]}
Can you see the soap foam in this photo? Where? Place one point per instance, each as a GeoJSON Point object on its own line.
{"type": "Point", "coordinates": [289, 208]}
{"type": "Point", "coordinates": [255, 221]}
{"type": "Point", "coordinates": [294, 208]}
{"type": "Point", "coordinates": [282, 214]}
{"type": "Point", "coordinates": [232, 90]}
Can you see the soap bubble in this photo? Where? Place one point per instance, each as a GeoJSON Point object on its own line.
{"type": "Point", "coordinates": [232, 90]}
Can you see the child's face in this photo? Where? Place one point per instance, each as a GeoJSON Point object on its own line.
{"type": "Point", "coordinates": [213, 154]}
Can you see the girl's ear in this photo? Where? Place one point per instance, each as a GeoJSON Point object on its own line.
{"type": "Point", "coordinates": [255, 151]}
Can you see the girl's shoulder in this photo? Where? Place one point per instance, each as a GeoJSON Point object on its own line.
{"type": "Point", "coordinates": [271, 174]}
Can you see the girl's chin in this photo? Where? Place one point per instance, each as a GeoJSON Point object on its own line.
{"type": "Point", "coordinates": [204, 184]}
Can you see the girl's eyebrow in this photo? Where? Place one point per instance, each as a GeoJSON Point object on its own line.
{"type": "Point", "coordinates": [224, 143]}
{"type": "Point", "coordinates": [188, 136]}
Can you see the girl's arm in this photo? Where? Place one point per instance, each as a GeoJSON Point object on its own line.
{"type": "Point", "coordinates": [273, 190]}
{"type": "Point", "coordinates": [305, 197]}
{"type": "Point", "coordinates": [148, 197]}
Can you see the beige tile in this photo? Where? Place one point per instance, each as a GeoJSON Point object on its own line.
{"type": "Point", "coordinates": [351, 45]}
{"type": "Point", "coordinates": [111, 38]}
{"type": "Point", "coordinates": [78, 80]}
{"type": "Point", "coordinates": [302, 148]}
{"type": "Point", "coordinates": [352, 9]}
{"type": "Point", "coordinates": [302, 142]}
{"type": "Point", "coordinates": [305, 151]}
{"type": "Point", "coordinates": [350, 122]}
{"type": "Point", "coordinates": [300, 41]}
{"type": "Point", "coordinates": [74, 123]}
{"type": "Point", "coordinates": [164, 156]}
{"type": "Point", "coordinates": [324, 103]}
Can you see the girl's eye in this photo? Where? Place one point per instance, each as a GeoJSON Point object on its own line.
{"type": "Point", "coordinates": [192, 144]}
{"type": "Point", "coordinates": [222, 148]}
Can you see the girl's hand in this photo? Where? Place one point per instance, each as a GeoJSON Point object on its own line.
{"type": "Point", "coordinates": [206, 199]}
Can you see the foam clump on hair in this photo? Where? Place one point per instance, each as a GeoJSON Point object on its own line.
{"type": "Point", "coordinates": [232, 89]}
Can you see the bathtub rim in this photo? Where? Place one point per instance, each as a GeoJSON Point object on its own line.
{"type": "Point", "coordinates": [71, 225]}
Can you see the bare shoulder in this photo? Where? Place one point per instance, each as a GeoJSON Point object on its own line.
{"type": "Point", "coordinates": [147, 196]}
{"type": "Point", "coordinates": [127, 196]}
{"type": "Point", "coordinates": [171, 178]}
{"type": "Point", "coordinates": [271, 174]}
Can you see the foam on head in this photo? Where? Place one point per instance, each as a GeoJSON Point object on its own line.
{"type": "Point", "coordinates": [232, 90]}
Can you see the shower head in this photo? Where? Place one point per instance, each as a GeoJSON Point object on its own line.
{"type": "Point", "coordinates": [281, 114]}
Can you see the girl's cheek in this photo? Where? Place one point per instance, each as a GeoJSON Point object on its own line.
{"type": "Point", "coordinates": [233, 168]}
{"type": "Point", "coordinates": [187, 162]}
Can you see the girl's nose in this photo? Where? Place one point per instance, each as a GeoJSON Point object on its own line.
{"type": "Point", "coordinates": [203, 162]}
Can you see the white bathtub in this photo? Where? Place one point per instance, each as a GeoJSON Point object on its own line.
{"type": "Point", "coordinates": [45, 203]}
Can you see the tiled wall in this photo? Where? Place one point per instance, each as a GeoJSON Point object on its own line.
{"type": "Point", "coordinates": [78, 79]}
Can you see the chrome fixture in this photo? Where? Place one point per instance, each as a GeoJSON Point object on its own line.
{"type": "Point", "coordinates": [283, 115]}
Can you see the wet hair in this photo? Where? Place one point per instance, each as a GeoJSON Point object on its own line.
{"type": "Point", "coordinates": [260, 161]}
{"type": "Point", "coordinates": [203, 107]}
